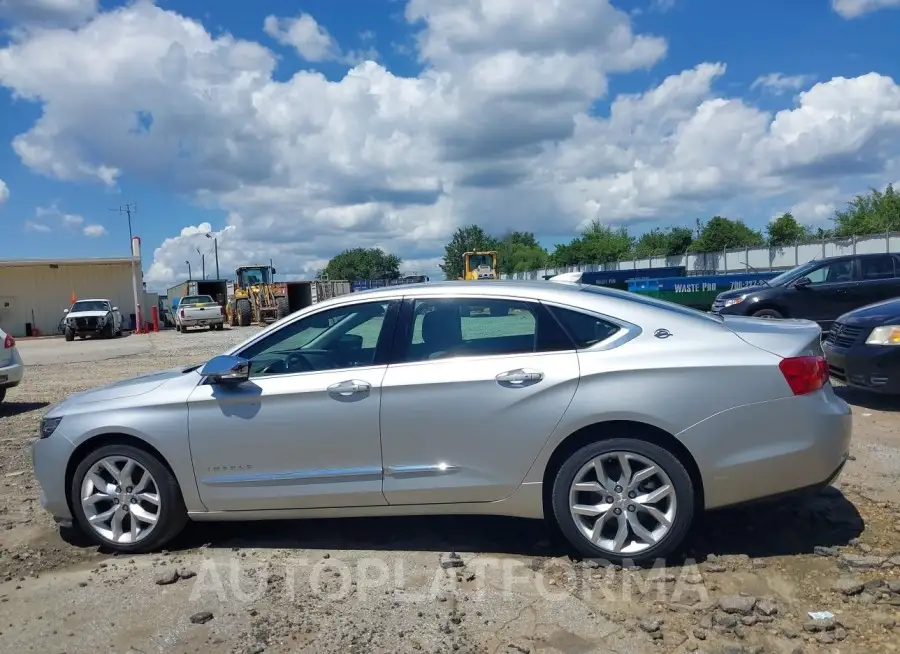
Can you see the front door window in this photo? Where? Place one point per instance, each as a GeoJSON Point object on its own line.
{"type": "Point", "coordinates": [343, 337]}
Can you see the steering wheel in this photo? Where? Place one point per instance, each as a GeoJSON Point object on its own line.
{"type": "Point", "coordinates": [295, 359]}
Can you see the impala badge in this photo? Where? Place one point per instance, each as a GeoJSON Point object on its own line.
{"type": "Point", "coordinates": [662, 333]}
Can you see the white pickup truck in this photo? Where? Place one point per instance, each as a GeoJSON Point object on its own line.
{"type": "Point", "coordinates": [92, 318]}
{"type": "Point", "coordinates": [199, 311]}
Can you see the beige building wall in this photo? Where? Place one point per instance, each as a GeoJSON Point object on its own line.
{"type": "Point", "coordinates": [37, 291]}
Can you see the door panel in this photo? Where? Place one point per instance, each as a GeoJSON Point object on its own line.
{"type": "Point", "coordinates": [483, 386]}
{"type": "Point", "coordinates": [832, 292]}
{"type": "Point", "coordinates": [878, 280]}
{"type": "Point", "coordinates": [303, 431]}
{"type": "Point", "coordinates": [287, 441]}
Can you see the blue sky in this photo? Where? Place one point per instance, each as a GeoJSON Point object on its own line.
{"type": "Point", "coordinates": [58, 203]}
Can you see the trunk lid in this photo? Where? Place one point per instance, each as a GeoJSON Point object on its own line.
{"type": "Point", "coordinates": [784, 338]}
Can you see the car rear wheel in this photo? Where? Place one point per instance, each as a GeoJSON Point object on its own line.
{"type": "Point", "coordinates": [126, 500]}
{"type": "Point", "coordinates": [2, 395]}
{"type": "Point", "coordinates": [623, 500]}
{"type": "Point", "coordinates": [768, 313]}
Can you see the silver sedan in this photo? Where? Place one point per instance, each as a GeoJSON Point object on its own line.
{"type": "Point", "coordinates": [616, 416]}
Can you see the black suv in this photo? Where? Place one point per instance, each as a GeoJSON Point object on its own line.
{"type": "Point", "coordinates": [820, 290]}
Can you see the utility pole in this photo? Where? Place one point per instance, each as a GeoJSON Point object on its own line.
{"type": "Point", "coordinates": [128, 210]}
{"type": "Point", "coordinates": [202, 264]}
{"type": "Point", "coordinates": [216, 246]}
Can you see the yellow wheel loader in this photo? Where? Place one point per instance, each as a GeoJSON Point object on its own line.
{"type": "Point", "coordinates": [480, 265]}
{"type": "Point", "coordinates": [256, 298]}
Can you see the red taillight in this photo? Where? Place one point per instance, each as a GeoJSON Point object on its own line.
{"type": "Point", "coordinates": [9, 342]}
{"type": "Point", "coordinates": [804, 374]}
{"type": "Point", "coordinates": [221, 310]}
{"type": "Point", "coordinates": [182, 313]}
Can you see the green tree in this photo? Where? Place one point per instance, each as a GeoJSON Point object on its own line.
{"type": "Point", "coordinates": [363, 263]}
{"type": "Point", "coordinates": [785, 230]}
{"type": "Point", "coordinates": [875, 212]}
{"type": "Point", "coordinates": [519, 252]}
{"type": "Point", "coordinates": [598, 243]}
{"type": "Point", "coordinates": [672, 242]}
{"type": "Point", "coordinates": [721, 233]}
{"type": "Point", "coordinates": [465, 239]}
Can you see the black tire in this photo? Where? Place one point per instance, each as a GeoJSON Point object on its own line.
{"type": "Point", "coordinates": [173, 514]}
{"type": "Point", "coordinates": [282, 308]}
{"type": "Point", "coordinates": [2, 395]}
{"type": "Point", "coordinates": [109, 330]}
{"type": "Point", "coordinates": [245, 313]}
{"type": "Point", "coordinates": [768, 313]}
{"type": "Point", "coordinates": [70, 335]}
{"type": "Point", "coordinates": [177, 328]}
{"type": "Point", "coordinates": [679, 477]}
{"type": "Point", "coordinates": [220, 326]}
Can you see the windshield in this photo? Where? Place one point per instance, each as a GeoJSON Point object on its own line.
{"type": "Point", "coordinates": [477, 260]}
{"type": "Point", "coordinates": [90, 305]}
{"type": "Point", "coordinates": [253, 276]}
{"type": "Point", "coordinates": [196, 299]}
{"type": "Point", "coordinates": [797, 272]}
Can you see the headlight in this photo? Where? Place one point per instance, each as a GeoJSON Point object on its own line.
{"type": "Point", "coordinates": [886, 335]}
{"type": "Point", "coordinates": [48, 426]}
{"type": "Point", "coordinates": [731, 301]}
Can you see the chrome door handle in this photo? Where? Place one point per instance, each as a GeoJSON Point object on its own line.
{"type": "Point", "coordinates": [350, 387]}
{"type": "Point", "coordinates": [520, 376]}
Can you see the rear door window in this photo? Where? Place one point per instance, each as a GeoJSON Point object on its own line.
{"type": "Point", "coordinates": [470, 327]}
{"type": "Point", "coordinates": [880, 267]}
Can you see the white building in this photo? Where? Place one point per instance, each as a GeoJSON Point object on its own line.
{"type": "Point", "coordinates": [33, 293]}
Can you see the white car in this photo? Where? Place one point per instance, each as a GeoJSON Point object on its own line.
{"type": "Point", "coordinates": [11, 367]}
{"type": "Point", "coordinates": [93, 318]}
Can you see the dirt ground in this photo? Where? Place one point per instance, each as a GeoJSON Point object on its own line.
{"type": "Point", "coordinates": [467, 584]}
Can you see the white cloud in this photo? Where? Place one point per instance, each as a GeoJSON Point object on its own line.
{"type": "Point", "coordinates": [4, 192]}
{"type": "Point", "coordinates": [778, 83]}
{"type": "Point", "coordinates": [47, 12]}
{"type": "Point", "coordinates": [856, 8]}
{"type": "Point", "coordinates": [53, 213]}
{"type": "Point", "coordinates": [94, 231]}
{"type": "Point", "coordinates": [31, 226]}
{"type": "Point", "coordinates": [498, 128]}
{"type": "Point", "coordinates": [312, 41]}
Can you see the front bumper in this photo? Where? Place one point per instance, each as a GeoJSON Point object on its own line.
{"type": "Point", "coordinates": [873, 368]}
{"type": "Point", "coordinates": [50, 456]}
{"type": "Point", "coordinates": [12, 373]}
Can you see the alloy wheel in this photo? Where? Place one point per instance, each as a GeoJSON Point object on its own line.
{"type": "Point", "coordinates": [623, 503]}
{"type": "Point", "coordinates": [120, 499]}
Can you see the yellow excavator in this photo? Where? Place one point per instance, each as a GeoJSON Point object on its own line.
{"type": "Point", "coordinates": [480, 265]}
{"type": "Point", "coordinates": [256, 298]}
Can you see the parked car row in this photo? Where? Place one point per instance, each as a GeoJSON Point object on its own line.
{"type": "Point", "coordinates": [853, 299]}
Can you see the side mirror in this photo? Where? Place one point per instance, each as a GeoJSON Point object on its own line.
{"type": "Point", "coordinates": [115, 308]}
{"type": "Point", "coordinates": [226, 369]}
{"type": "Point", "coordinates": [803, 282]}
{"type": "Point", "coordinates": [65, 311]}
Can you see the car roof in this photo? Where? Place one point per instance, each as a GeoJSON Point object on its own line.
{"type": "Point", "coordinates": [91, 299]}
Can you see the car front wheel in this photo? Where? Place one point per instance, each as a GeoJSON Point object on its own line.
{"type": "Point", "coordinates": [126, 500]}
{"type": "Point", "coordinates": [623, 500]}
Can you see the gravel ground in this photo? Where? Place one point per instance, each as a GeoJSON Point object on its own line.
{"type": "Point", "coordinates": [467, 584]}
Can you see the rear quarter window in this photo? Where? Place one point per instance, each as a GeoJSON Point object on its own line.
{"type": "Point", "coordinates": [584, 329]}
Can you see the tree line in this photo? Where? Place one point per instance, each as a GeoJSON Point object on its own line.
{"type": "Point", "coordinates": [875, 212]}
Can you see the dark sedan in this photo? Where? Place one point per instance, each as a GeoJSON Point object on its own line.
{"type": "Point", "coordinates": [863, 348]}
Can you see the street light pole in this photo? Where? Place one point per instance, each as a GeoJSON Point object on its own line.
{"type": "Point", "coordinates": [202, 264]}
{"type": "Point", "coordinates": [189, 270]}
{"type": "Point", "coordinates": [216, 246]}
{"type": "Point", "coordinates": [128, 209]}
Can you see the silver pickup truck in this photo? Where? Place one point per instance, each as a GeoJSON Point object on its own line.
{"type": "Point", "coordinates": [199, 311]}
